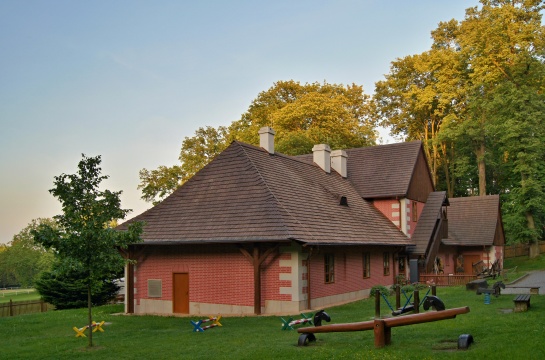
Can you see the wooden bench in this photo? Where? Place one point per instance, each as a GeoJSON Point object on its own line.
{"type": "Point", "coordinates": [522, 303]}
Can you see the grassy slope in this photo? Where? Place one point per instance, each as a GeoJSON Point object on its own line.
{"type": "Point", "coordinates": [524, 264]}
{"type": "Point", "coordinates": [497, 333]}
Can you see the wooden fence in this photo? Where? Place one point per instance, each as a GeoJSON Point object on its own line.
{"type": "Point", "coordinates": [511, 251]}
{"type": "Point", "coordinates": [14, 308]}
{"type": "Point", "coordinates": [446, 280]}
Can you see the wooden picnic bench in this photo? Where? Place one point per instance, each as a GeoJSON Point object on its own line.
{"type": "Point", "coordinates": [522, 303]}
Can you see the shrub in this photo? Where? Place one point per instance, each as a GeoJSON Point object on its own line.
{"type": "Point", "coordinates": [382, 289]}
{"type": "Point", "coordinates": [69, 291]}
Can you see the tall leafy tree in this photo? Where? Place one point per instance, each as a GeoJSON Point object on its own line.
{"type": "Point", "coordinates": [476, 96]}
{"type": "Point", "coordinates": [24, 259]}
{"type": "Point", "coordinates": [83, 241]}
{"type": "Point", "coordinates": [308, 114]}
{"type": "Point", "coordinates": [519, 129]}
{"type": "Point", "coordinates": [503, 43]}
{"type": "Point", "coordinates": [196, 152]}
{"type": "Point", "coordinates": [415, 98]}
{"type": "Point", "coordinates": [158, 183]}
{"type": "Point", "coordinates": [199, 150]}
{"type": "Point", "coordinates": [500, 42]}
{"type": "Point", "coordinates": [7, 278]}
{"type": "Point", "coordinates": [301, 114]}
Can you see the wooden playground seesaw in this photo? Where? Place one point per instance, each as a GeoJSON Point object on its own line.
{"type": "Point", "coordinates": [381, 327]}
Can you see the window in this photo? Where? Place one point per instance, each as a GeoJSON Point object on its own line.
{"type": "Point", "coordinates": [401, 266]}
{"type": "Point", "coordinates": [329, 267]}
{"type": "Point", "coordinates": [386, 263]}
{"type": "Point", "coordinates": [414, 211]}
{"type": "Point", "coordinates": [155, 288]}
{"type": "Point", "coordinates": [366, 265]}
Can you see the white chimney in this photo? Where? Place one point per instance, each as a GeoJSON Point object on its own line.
{"type": "Point", "coordinates": [266, 139]}
{"type": "Point", "coordinates": [339, 161]}
{"type": "Point", "coordinates": [321, 156]}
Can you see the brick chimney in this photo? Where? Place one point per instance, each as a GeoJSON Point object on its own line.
{"type": "Point", "coordinates": [266, 139]}
{"type": "Point", "coordinates": [321, 156]}
{"type": "Point", "coordinates": [339, 161]}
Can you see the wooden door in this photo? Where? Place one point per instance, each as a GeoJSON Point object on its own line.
{"type": "Point", "coordinates": [469, 260]}
{"type": "Point", "coordinates": [180, 293]}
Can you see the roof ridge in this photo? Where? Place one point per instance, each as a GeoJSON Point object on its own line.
{"type": "Point", "coordinates": [285, 156]}
{"type": "Point", "coordinates": [476, 197]}
{"type": "Point", "coordinates": [272, 192]}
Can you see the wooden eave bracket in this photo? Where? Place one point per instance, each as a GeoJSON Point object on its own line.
{"type": "Point", "coordinates": [261, 258]}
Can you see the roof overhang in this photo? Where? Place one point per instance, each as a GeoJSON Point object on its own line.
{"type": "Point", "coordinates": [211, 241]}
{"type": "Point", "coordinates": [353, 243]}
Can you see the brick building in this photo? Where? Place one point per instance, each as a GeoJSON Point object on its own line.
{"type": "Point", "coordinates": [258, 232]}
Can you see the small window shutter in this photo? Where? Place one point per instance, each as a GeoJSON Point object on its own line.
{"type": "Point", "coordinates": [155, 288]}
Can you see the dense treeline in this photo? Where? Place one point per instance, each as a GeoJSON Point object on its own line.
{"type": "Point", "coordinates": [22, 261]}
{"type": "Point", "coordinates": [475, 99]}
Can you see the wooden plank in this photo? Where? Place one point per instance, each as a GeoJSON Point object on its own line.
{"type": "Point", "coordinates": [390, 322]}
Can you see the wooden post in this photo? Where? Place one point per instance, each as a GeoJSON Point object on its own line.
{"type": "Point", "coordinates": [10, 307]}
{"type": "Point", "coordinates": [256, 260]}
{"type": "Point", "coordinates": [377, 304]}
{"type": "Point", "coordinates": [257, 281]}
{"type": "Point", "coordinates": [398, 296]}
{"type": "Point", "coordinates": [129, 288]}
{"type": "Point", "coordinates": [309, 299]}
{"type": "Point", "coordinates": [416, 301]}
{"type": "Point", "coordinates": [434, 290]}
{"type": "Point", "coordinates": [383, 333]}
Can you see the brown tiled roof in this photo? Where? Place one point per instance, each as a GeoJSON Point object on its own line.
{"type": "Point", "coordinates": [473, 220]}
{"type": "Point", "coordinates": [247, 195]}
{"type": "Point", "coordinates": [382, 171]}
{"type": "Point", "coordinates": [427, 221]}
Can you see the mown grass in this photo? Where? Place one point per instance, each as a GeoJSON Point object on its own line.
{"type": "Point", "coordinates": [523, 264]}
{"type": "Point", "coordinates": [18, 295]}
{"type": "Point", "coordinates": [496, 330]}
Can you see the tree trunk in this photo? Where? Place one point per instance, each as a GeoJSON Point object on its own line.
{"type": "Point", "coordinates": [534, 250]}
{"type": "Point", "coordinates": [479, 152]}
{"type": "Point", "coordinates": [449, 180]}
{"type": "Point", "coordinates": [430, 154]}
{"type": "Point", "coordinates": [89, 307]}
{"type": "Point", "coordinates": [534, 245]}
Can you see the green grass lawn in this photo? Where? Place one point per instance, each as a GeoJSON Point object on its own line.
{"type": "Point", "coordinates": [18, 295]}
{"type": "Point", "coordinates": [497, 333]}
{"type": "Point", "coordinates": [523, 264]}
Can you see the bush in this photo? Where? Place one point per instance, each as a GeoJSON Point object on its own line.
{"type": "Point", "coordinates": [382, 289]}
{"type": "Point", "coordinates": [69, 291]}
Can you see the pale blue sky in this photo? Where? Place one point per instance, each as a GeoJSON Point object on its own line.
{"type": "Point", "coordinates": [128, 80]}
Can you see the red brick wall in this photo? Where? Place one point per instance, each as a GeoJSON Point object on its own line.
{"type": "Point", "coordinates": [349, 272]}
{"type": "Point", "coordinates": [410, 222]}
{"type": "Point", "coordinates": [394, 214]}
{"type": "Point", "coordinates": [385, 207]}
{"type": "Point", "coordinates": [270, 279]}
{"type": "Point", "coordinates": [218, 274]}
